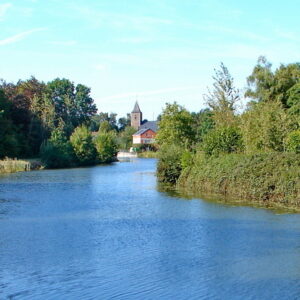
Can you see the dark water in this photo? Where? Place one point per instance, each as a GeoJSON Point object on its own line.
{"type": "Point", "coordinates": [107, 233]}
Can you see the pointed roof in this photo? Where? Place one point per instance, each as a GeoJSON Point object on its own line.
{"type": "Point", "coordinates": [136, 108]}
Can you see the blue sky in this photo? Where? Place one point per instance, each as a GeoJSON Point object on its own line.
{"type": "Point", "coordinates": [155, 51]}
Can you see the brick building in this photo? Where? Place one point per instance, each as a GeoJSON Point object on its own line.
{"type": "Point", "coordinates": [146, 131]}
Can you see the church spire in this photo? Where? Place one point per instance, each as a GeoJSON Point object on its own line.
{"type": "Point", "coordinates": [136, 116]}
{"type": "Point", "coordinates": [136, 108]}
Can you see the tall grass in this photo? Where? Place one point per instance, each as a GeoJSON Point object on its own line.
{"type": "Point", "coordinates": [148, 154]}
{"type": "Point", "coordinates": [272, 177]}
{"type": "Point", "coordinates": [9, 165]}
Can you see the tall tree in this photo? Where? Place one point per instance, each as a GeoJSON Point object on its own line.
{"type": "Point", "coordinates": [176, 126]}
{"type": "Point", "coordinates": [222, 98]}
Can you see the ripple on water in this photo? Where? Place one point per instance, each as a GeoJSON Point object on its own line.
{"type": "Point", "coordinates": [107, 233]}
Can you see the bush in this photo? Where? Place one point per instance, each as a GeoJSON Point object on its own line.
{"type": "Point", "coordinates": [293, 141]}
{"type": "Point", "coordinates": [271, 177]}
{"type": "Point", "coordinates": [57, 152]}
{"type": "Point", "coordinates": [169, 165]}
{"type": "Point", "coordinates": [84, 148]}
{"type": "Point", "coordinates": [106, 147]}
{"type": "Point", "coordinates": [264, 127]}
{"type": "Point", "coordinates": [222, 140]}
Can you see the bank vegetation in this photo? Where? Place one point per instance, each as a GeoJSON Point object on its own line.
{"type": "Point", "coordinates": [251, 154]}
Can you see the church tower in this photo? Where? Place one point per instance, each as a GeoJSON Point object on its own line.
{"type": "Point", "coordinates": [136, 117]}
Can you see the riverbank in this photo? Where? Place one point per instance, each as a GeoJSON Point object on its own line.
{"type": "Point", "coordinates": [8, 165]}
{"type": "Point", "coordinates": [148, 154]}
{"type": "Point", "coordinates": [269, 179]}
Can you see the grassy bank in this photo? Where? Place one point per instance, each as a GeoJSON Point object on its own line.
{"type": "Point", "coordinates": [148, 154]}
{"type": "Point", "coordinates": [268, 178]}
{"type": "Point", "coordinates": [13, 165]}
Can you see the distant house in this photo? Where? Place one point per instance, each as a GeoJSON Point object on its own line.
{"type": "Point", "coordinates": [146, 131]}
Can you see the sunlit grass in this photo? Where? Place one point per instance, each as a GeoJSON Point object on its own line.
{"type": "Point", "coordinates": [9, 165]}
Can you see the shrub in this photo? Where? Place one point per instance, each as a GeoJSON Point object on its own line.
{"type": "Point", "coordinates": [57, 152]}
{"type": "Point", "coordinates": [84, 148]}
{"type": "Point", "coordinates": [270, 177]}
{"type": "Point", "coordinates": [264, 127]}
{"type": "Point", "coordinates": [293, 141]}
{"type": "Point", "coordinates": [169, 165]}
{"type": "Point", "coordinates": [106, 147]}
{"type": "Point", "coordinates": [222, 140]}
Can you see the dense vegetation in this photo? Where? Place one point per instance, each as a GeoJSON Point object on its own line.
{"type": "Point", "coordinates": [58, 122]}
{"type": "Point", "coordinates": [250, 155]}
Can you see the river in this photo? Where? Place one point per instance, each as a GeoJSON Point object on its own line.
{"type": "Point", "coordinates": [106, 232]}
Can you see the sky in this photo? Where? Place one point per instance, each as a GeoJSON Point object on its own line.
{"type": "Point", "coordinates": [153, 51]}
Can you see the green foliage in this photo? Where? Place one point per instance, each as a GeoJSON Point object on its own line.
{"type": "Point", "coordinates": [293, 100]}
{"type": "Point", "coordinates": [125, 138]}
{"type": "Point", "coordinates": [293, 141]}
{"type": "Point", "coordinates": [102, 117]}
{"type": "Point", "coordinates": [84, 148]}
{"type": "Point", "coordinates": [169, 165]}
{"type": "Point", "coordinates": [106, 146]}
{"type": "Point", "coordinates": [9, 145]}
{"type": "Point", "coordinates": [222, 140]}
{"type": "Point", "coordinates": [148, 154]}
{"type": "Point", "coordinates": [175, 126]}
{"type": "Point", "coordinates": [203, 123]}
{"type": "Point", "coordinates": [73, 105]}
{"type": "Point", "coordinates": [261, 81]}
{"type": "Point", "coordinates": [57, 152]}
{"type": "Point", "coordinates": [186, 159]}
{"type": "Point", "coordinates": [36, 109]}
{"type": "Point", "coordinates": [264, 127]}
{"type": "Point", "coordinates": [223, 97]}
{"type": "Point", "coordinates": [267, 86]}
{"type": "Point", "coordinates": [105, 127]}
{"type": "Point", "coordinates": [269, 178]}
{"type": "Point", "coordinates": [123, 123]}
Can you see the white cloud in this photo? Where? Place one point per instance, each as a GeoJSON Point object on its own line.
{"type": "Point", "coordinates": [3, 9]}
{"type": "Point", "coordinates": [20, 36]}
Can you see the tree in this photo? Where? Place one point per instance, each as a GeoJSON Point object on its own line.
{"type": "Point", "coordinates": [265, 127]}
{"type": "Point", "coordinates": [176, 126]}
{"type": "Point", "coordinates": [82, 143]}
{"type": "Point", "coordinates": [124, 122]}
{"type": "Point", "coordinates": [106, 146]}
{"type": "Point", "coordinates": [223, 97]}
{"type": "Point", "coordinates": [267, 86]}
{"type": "Point", "coordinates": [57, 152]}
{"type": "Point", "coordinates": [203, 123]}
{"type": "Point", "coordinates": [293, 100]}
{"type": "Point", "coordinates": [125, 138]}
{"type": "Point", "coordinates": [105, 126]}
{"type": "Point", "coordinates": [293, 141]}
{"type": "Point", "coordinates": [97, 120]}
{"type": "Point", "coordinates": [8, 141]}
{"type": "Point", "coordinates": [73, 105]}
{"type": "Point", "coordinates": [261, 81]}
{"type": "Point", "coordinates": [222, 140]}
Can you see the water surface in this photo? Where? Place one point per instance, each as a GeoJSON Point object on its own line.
{"type": "Point", "coordinates": [106, 232]}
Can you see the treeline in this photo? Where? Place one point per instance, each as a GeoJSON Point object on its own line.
{"type": "Point", "coordinates": [55, 120]}
{"type": "Point", "coordinates": [220, 149]}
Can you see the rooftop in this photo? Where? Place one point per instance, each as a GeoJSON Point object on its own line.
{"type": "Point", "coordinates": [136, 108]}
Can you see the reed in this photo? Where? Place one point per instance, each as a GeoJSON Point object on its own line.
{"type": "Point", "coordinates": [9, 165]}
{"type": "Point", "coordinates": [148, 154]}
